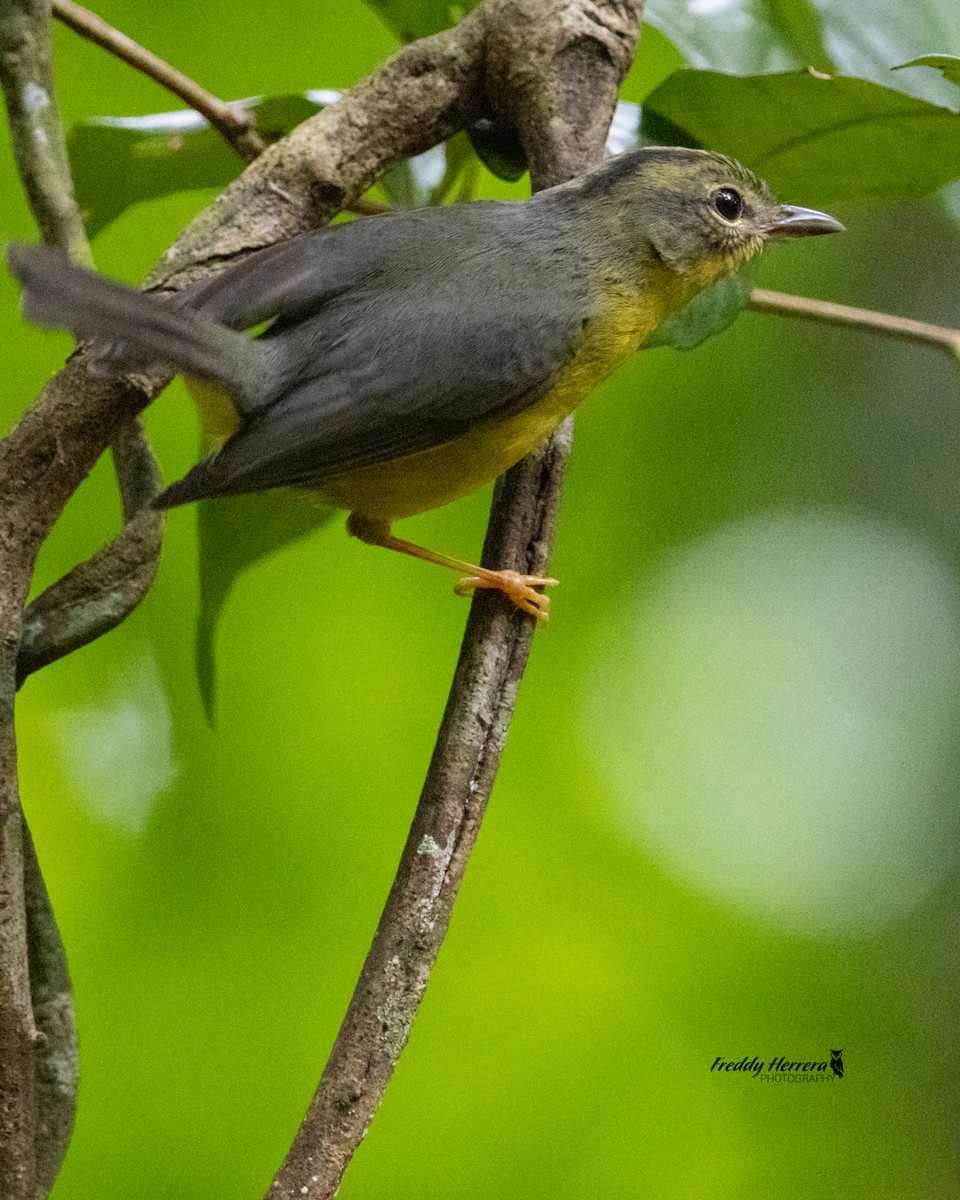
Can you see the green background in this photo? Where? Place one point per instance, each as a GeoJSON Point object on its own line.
{"type": "Point", "coordinates": [724, 823]}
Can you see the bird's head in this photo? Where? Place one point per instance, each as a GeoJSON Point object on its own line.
{"type": "Point", "coordinates": [702, 214]}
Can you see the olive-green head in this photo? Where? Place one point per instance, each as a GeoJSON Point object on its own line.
{"type": "Point", "coordinates": [702, 214]}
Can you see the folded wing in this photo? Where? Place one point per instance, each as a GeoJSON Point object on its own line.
{"type": "Point", "coordinates": [453, 318]}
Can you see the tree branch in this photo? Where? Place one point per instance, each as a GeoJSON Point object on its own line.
{"type": "Point", "coordinates": [98, 594]}
{"type": "Point", "coordinates": [424, 94]}
{"type": "Point", "coordinates": [235, 125]}
{"type": "Point", "coordinates": [556, 68]}
{"type": "Point", "coordinates": [57, 1062]}
{"type": "Point", "coordinates": [421, 97]}
{"type": "Point", "coordinates": [785, 305]}
{"type": "Point", "coordinates": [38, 143]}
{"type": "Point", "coordinates": [33, 1127]}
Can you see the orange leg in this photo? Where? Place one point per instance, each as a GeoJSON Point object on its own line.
{"type": "Point", "coordinates": [520, 588]}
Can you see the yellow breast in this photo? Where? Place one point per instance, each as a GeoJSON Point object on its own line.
{"type": "Point", "coordinates": [431, 478]}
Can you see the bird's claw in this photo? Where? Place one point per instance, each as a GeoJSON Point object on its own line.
{"type": "Point", "coordinates": [521, 589]}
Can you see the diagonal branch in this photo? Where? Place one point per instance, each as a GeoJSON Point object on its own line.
{"type": "Point", "coordinates": [424, 94]}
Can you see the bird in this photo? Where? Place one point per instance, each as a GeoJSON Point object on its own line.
{"type": "Point", "coordinates": [403, 360]}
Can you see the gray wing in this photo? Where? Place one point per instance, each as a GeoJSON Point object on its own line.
{"type": "Point", "coordinates": [433, 334]}
{"type": "Point", "coordinates": [290, 278]}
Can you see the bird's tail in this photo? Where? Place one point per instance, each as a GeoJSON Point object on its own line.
{"type": "Point", "coordinates": [134, 329]}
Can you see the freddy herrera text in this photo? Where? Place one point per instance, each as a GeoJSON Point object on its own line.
{"type": "Point", "coordinates": [777, 1068]}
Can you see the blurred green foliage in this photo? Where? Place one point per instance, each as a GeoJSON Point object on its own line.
{"type": "Point", "coordinates": [725, 820]}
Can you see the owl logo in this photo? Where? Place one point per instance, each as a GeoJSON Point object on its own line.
{"type": "Point", "coordinates": [836, 1063]}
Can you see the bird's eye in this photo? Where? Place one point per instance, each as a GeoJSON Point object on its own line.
{"type": "Point", "coordinates": [728, 202]}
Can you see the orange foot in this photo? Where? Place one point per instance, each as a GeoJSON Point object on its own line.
{"type": "Point", "coordinates": [520, 588]}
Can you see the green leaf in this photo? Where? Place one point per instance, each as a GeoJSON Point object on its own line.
{"type": "Point", "coordinates": [499, 149]}
{"type": "Point", "coordinates": [117, 161]}
{"type": "Point", "coordinates": [709, 313]}
{"type": "Point", "coordinates": [234, 533]}
{"type": "Point", "coordinates": [412, 19]}
{"type": "Point", "coordinates": [947, 64]}
{"type": "Point", "coordinates": [814, 140]}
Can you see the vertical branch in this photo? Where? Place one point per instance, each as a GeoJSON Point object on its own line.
{"type": "Point", "coordinates": [556, 67]}
{"type": "Point", "coordinates": [38, 143]}
{"type": "Point", "coordinates": [40, 152]}
{"type": "Point", "coordinates": [17, 1031]}
{"type": "Point", "coordinates": [57, 1061]}
{"type": "Point", "coordinates": [38, 1046]}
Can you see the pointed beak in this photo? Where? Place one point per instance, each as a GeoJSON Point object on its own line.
{"type": "Point", "coordinates": [803, 222]}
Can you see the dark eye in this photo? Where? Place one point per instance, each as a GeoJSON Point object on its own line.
{"type": "Point", "coordinates": [728, 203]}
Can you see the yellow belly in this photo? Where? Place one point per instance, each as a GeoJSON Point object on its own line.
{"type": "Point", "coordinates": [431, 478]}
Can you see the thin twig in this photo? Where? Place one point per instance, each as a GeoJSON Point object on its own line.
{"type": "Point", "coordinates": [235, 125]}
{"type": "Point", "coordinates": [924, 334]}
{"type": "Point", "coordinates": [562, 101]}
